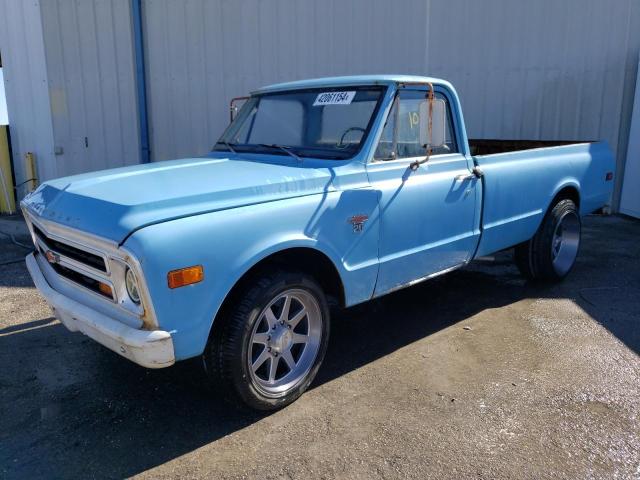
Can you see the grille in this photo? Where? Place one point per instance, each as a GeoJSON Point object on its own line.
{"type": "Point", "coordinates": [90, 259]}
{"type": "Point", "coordinates": [77, 277]}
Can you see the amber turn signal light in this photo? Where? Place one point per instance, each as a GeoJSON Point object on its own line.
{"type": "Point", "coordinates": [185, 276]}
{"type": "Point", "coordinates": [105, 289]}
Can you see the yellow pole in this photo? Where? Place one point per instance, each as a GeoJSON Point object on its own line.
{"type": "Point", "coordinates": [30, 169]}
{"type": "Point", "coordinates": [7, 201]}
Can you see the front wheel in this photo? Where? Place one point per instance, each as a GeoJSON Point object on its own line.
{"type": "Point", "coordinates": [270, 344]}
{"type": "Point", "coordinates": [552, 251]}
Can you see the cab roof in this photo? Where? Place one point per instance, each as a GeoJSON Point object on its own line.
{"type": "Point", "coordinates": [352, 80]}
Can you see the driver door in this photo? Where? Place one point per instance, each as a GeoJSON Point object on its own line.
{"type": "Point", "coordinates": [427, 215]}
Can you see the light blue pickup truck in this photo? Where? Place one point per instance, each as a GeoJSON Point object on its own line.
{"type": "Point", "coordinates": [322, 192]}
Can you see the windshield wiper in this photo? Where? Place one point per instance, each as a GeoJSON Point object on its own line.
{"type": "Point", "coordinates": [284, 148]}
{"type": "Point", "coordinates": [227, 144]}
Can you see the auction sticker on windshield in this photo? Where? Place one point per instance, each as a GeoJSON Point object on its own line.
{"type": "Point", "coordinates": [334, 98]}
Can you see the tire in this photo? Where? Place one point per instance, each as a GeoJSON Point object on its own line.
{"type": "Point", "coordinates": [256, 352]}
{"type": "Point", "coordinates": [551, 253]}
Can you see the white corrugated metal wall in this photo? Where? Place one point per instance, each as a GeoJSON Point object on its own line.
{"type": "Point", "coordinates": [550, 69]}
{"type": "Point", "coordinates": [90, 68]}
{"type": "Point", "coordinates": [69, 76]}
{"type": "Point", "coordinates": [25, 79]}
{"type": "Point", "coordinates": [630, 195]}
{"type": "Point", "coordinates": [547, 69]}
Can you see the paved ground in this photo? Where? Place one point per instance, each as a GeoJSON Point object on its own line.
{"type": "Point", "coordinates": [476, 374]}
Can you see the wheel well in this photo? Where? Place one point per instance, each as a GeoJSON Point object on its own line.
{"type": "Point", "coordinates": [568, 192]}
{"type": "Point", "coordinates": [308, 260]}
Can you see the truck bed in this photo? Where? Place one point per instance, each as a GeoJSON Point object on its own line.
{"type": "Point", "coordinates": [490, 146]}
{"type": "Point", "coordinates": [519, 185]}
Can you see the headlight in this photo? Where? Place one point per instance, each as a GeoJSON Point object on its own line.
{"type": "Point", "coordinates": [132, 286]}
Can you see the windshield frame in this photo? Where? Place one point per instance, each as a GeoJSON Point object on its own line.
{"type": "Point", "coordinates": [305, 151]}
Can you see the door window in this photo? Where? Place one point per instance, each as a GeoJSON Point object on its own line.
{"type": "Point", "coordinates": [401, 135]}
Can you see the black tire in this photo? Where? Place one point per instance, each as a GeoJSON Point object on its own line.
{"type": "Point", "coordinates": [227, 352]}
{"type": "Point", "coordinates": [535, 258]}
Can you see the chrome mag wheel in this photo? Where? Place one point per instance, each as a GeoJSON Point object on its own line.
{"type": "Point", "coordinates": [565, 242]}
{"type": "Point", "coordinates": [284, 342]}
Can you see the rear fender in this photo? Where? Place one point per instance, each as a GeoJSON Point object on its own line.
{"type": "Point", "coordinates": [566, 183]}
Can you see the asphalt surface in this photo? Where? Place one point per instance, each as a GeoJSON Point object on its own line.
{"type": "Point", "coordinates": [475, 374]}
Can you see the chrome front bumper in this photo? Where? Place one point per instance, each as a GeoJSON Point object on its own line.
{"type": "Point", "coordinates": [149, 348]}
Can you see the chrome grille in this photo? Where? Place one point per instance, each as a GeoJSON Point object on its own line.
{"type": "Point", "coordinates": [89, 259]}
{"type": "Point", "coordinates": [84, 280]}
{"type": "Point", "coordinates": [79, 266]}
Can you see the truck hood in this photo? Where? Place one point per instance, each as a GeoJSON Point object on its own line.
{"type": "Point", "coordinates": [113, 203]}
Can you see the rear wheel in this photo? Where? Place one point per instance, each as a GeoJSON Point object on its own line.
{"type": "Point", "coordinates": [552, 251]}
{"type": "Point", "coordinates": [270, 344]}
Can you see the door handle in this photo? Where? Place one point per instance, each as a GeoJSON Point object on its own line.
{"type": "Point", "coordinates": [463, 178]}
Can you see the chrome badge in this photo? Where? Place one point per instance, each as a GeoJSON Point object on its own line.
{"type": "Point", "coordinates": [358, 222]}
{"type": "Point", "coordinates": [52, 257]}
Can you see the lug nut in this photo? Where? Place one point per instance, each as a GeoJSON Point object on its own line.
{"type": "Point", "coordinates": [268, 349]}
{"type": "Point", "coordinates": [289, 327]}
{"type": "Point", "coordinates": [268, 337]}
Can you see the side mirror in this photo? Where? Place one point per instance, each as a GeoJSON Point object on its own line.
{"type": "Point", "coordinates": [438, 122]}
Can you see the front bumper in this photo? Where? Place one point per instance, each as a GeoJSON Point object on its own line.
{"type": "Point", "coordinates": [149, 348]}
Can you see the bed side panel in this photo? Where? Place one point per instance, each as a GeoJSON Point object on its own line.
{"type": "Point", "coordinates": [519, 187]}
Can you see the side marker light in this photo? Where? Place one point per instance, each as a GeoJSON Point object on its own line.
{"type": "Point", "coordinates": [185, 276]}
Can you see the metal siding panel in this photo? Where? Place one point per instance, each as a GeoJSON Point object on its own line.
{"type": "Point", "coordinates": [94, 138]}
{"type": "Point", "coordinates": [524, 70]}
{"type": "Point", "coordinates": [127, 96]}
{"type": "Point", "coordinates": [73, 159]}
{"type": "Point", "coordinates": [109, 85]}
{"type": "Point", "coordinates": [158, 78]}
{"type": "Point", "coordinates": [549, 70]}
{"type": "Point", "coordinates": [197, 72]}
{"type": "Point", "coordinates": [178, 72]}
{"type": "Point", "coordinates": [630, 197]}
{"type": "Point", "coordinates": [22, 46]}
{"type": "Point", "coordinates": [91, 83]}
{"type": "Point", "coordinates": [631, 47]}
{"type": "Point", "coordinates": [216, 96]}
{"type": "Point", "coordinates": [57, 81]}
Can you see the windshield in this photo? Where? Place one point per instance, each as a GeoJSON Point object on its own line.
{"type": "Point", "coordinates": [328, 123]}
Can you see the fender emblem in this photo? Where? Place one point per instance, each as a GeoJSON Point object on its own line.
{"type": "Point", "coordinates": [358, 222]}
{"type": "Point", "coordinates": [52, 257]}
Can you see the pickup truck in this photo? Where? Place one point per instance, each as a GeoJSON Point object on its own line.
{"type": "Point", "coordinates": [325, 192]}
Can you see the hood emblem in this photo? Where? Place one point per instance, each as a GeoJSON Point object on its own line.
{"type": "Point", "coordinates": [358, 222]}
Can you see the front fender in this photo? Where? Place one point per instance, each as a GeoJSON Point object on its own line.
{"type": "Point", "coordinates": [228, 243]}
{"type": "Point", "coordinates": [267, 247]}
